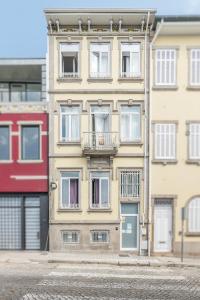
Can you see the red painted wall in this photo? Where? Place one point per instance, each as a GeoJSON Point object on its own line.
{"type": "Point", "coordinates": [9, 184]}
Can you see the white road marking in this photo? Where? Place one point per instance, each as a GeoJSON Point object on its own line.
{"type": "Point", "coordinates": [114, 275]}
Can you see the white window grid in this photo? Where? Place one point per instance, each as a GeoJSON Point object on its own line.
{"type": "Point", "coordinates": [194, 141]}
{"type": "Point", "coordinates": [194, 215]}
{"type": "Point", "coordinates": [99, 236]}
{"type": "Point", "coordinates": [73, 48]}
{"type": "Point", "coordinates": [101, 51]}
{"type": "Point", "coordinates": [165, 67]}
{"type": "Point", "coordinates": [68, 178]}
{"type": "Point", "coordinates": [128, 46]}
{"type": "Point", "coordinates": [195, 67]}
{"type": "Point", "coordinates": [100, 178]}
{"type": "Point", "coordinates": [131, 116]}
{"type": "Point", "coordinates": [69, 114]}
{"type": "Point", "coordinates": [130, 183]}
{"type": "Point", "coordinates": [71, 237]}
{"type": "Point", "coordinates": [165, 141]}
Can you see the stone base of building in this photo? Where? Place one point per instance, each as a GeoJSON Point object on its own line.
{"type": "Point", "coordinates": [85, 242]}
{"type": "Point", "coordinates": [190, 249]}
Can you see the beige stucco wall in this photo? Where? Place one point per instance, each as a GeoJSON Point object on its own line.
{"type": "Point", "coordinates": [180, 179]}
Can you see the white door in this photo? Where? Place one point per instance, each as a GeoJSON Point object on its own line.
{"type": "Point", "coordinates": [163, 226]}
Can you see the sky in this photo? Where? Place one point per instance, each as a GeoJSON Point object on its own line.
{"type": "Point", "coordinates": [23, 27]}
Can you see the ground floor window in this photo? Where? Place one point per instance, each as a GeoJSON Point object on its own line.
{"type": "Point", "coordinates": [71, 237]}
{"type": "Point", "coordinates": [99, 236]}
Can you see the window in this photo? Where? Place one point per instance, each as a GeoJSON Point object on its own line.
{"type": "Point", "coordinates": [70, 189]}
{"type": "Point", "coordinates": [4, 143]}
{"type": "Point", "coordinates": [99, 60]}
{"type": "Point", "coordinates": [70, 123]}
{"type": "Point", "coordinates": [99, 236]}
{"type": "Point", "coordinates": [4, 92]}
{"type": "Point", "coordinates": [165, 67]}
{"type": "Point", "coordinates": [194, 141]}
{"type": "Point", "coordinates": [20, 92]}
{"type": "Point", "coordinates": [194, 215]}
{"type": "Point", "coordinates": [100, 189]}
{"type": "Point", "coordinates": [130, 123]}
{"type": "Point", "coordinates": [130, 60]}
{"type": "Point", "coordinates": [69, 60]}
{"type": "Point", "coordinates": [195, 67]}
{"type": "Point", "coordinates": [71, 237]}
{"type": "Point", "coordinates": [30, 142]}
{"type": "Point", "coordinates": [165, 141]}
{"type": "Point", "coordinates": [130, 184]}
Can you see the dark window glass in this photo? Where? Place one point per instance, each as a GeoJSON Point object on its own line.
{"type": "Point", "coordinates": [30, 143]}
{"type": "Point", "coordinates": [4, 143]}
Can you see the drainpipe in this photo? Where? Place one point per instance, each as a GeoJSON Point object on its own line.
{"type": "Point", "coordinates": [146, 117]}
{"type": "Point", "coordinates": [150, 131]}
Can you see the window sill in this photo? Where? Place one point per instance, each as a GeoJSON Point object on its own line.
{"type": "Point", "coordinates": [193, 161]}
{"type": "Point", "coordinates": [131, 144]}
{"type": "Point", "coordinates": [69, 143]}
{"type": "Point", "coordinates": [69, 79]}
{"type": "Point", "coordinates": [165, 87]}
{"type": "Point", "coordinates": [30, 161]}
{"type": "Point", "coordinates": [131, 79]}
{"type": "Point", "coordinates": [99, 79]}
{"type": "Point", "coordinates": [164, 161]}
{"type": "Point", "coordinates": [6, 161]}
{"type": "Point", "coordinates": [192, 234]}
{"type": "Point", "coordinates": [193, 88]}
{"type": "Point", "coordinates": [69, 210]}
{"type": "Point", "coordinates": [99, 210]}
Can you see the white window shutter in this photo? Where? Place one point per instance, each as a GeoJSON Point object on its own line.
{"type": "Point", "coordinates": [194, 215]}
{"type": "Point", "coordinates": [194, 141]}
{"type": "Point", "coordinates": [165, 67]}
{"type": "Point", "coordinates": [165, 141]}
{"type": "Point", "coordinates": [195, 67]}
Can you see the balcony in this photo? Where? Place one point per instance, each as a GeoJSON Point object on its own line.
{"type": "Point", "coordinates": [100, 143]}
{"type": "Point", "coordinates": [15, 97]}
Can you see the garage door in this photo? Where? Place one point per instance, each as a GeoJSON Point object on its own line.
{"type": "Point", "coordinates": [20, 223]}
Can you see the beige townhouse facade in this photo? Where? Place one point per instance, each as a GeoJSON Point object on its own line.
{"type": "Point", "coordinates": [98, 75]}
{"type": "Point", "coordinates": [175, 135]}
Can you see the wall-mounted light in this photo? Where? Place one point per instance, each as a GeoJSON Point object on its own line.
{"type": "Point", "coordinates": [53, 185]}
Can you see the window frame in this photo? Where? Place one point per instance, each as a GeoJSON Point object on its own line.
{"type": "Point", "coordinates": [61, 73]}
{"type": "Point", "coordinates": [165, 159]}
{"type": "Point", "coordinates": [71, 232]}
{"type": "Point", "coordinates": [100, 52]}
{"type": "Point", "coordinates": [61, 189]}
{"type": "Point", "coordinates": [131, 170]}
{"type": "Point", "coordinates": [121, 60]}
{"type": "Point", "coordinates": [129, 141]}
{"type": "Point", "coordinates": [193, 84]}
{"type": "Point", "coordinates": [161, 83]}
{"type": "Point", "coordinates": [100, 232]}
{"type": "Point", "coordinates": [70, 141]}
{"type": "Point", "coordinates": [27, 124]}
{"type": "Point", "coordinates": [100, 207]}
{"type": "Point", "coordinates": [190, 158]}
{"type": "Point", "coordinates": [189, 214]}
{"type": "Point", "coordinates": [8, 125]}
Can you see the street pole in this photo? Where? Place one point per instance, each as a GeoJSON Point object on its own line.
{"type": "Point", "coordinates": [182, 232]}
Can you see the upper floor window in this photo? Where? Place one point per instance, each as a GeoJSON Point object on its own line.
{"type": "Point", "coordinates": [70, 123]}
{"type": "Point", "coordinates": [69, 55]}
{"type": "Point", "coordinates": [194, 215]}
{"type": "Point", "coordinates": [130, 60]}
{"type": "Point", "coordinates": [195, 66]}
{"type": "Point", "coordinates": [165, 67]}
{"type": "Point", "coordinates": [4, 143]}
{"type": "Point", "coordinates": [70, 189]}
{"type": "Point", "coordinates": [20, 92]}
{"type": "Point", "coordinates": [30, 142]}
{"type": "Point", "coordinates": [165, 141]}
{"type": "Point", "coordinates": [194, 141]}
{"type": "Point", "coordinates": [130, 184]}
{"type": "Point", "coordinates": [130, 123]}
{"type": "Point", "coordinates": [99, 189]}
{"type": "Point", "coordinates": [100, 60]}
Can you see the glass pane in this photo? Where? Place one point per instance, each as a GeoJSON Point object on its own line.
{"type": "Point", "coordinates": [74, 192]}
{"type": "Point", "coordinates": [125, 127]}
{"type": "Point", "coordinates": [95, 192]}
{"type": "Point", "coordinates": [70, 109]}
{"type": "Point", "coordinates": [104, 64]}
{"type": "Point", "coordinates": [129, 232]}
{"type": "Point", "coordinates": [129, 208]}
{"type": "Point", "coordinates": [33, 92]}
{"type": "Point", "coordinates": [94, 64]}
{"type": "Point", "coordinates": [99, 174]}
{"type": "Point", "coordinates": [65, 193]}
{"type": "Point", "coordinates": [4, 143]}
{"type": "Point", "coordinates": [100, 109]}
{"type": "Point", "coordinates": [18, 92]}
{"type": "Point", "coordinates": [104, 192]}
{"type": "Point", "coordinates": [4, 92]}
{"type": "Point", "coordinates": [70, 174]}
{"type": "Point", "coordinates": [75, 127]}
{"type": "Point", "coordinates": [30, 142]}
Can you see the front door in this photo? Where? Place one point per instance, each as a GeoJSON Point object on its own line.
{"type": "Point", "coordinates": [129, 226]}
{"type": "Point", "coordinates": [163, 226]}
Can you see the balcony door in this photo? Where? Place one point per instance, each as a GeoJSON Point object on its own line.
{"type": "Point", "coordinates": [100, 125]}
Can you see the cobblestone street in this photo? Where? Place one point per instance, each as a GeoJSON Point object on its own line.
{"type": "Point", "coordinates": [92, 282]}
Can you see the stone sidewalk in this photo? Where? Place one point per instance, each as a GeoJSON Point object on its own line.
{"type": "Point", "coordinates": [22, 257]}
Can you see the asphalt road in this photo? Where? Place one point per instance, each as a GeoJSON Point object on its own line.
{"type": "Point", "coordinates": [94, 282]}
